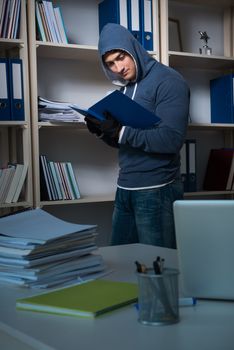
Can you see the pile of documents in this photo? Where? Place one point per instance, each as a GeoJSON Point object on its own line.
{"type": "Point", "coordinates": [57, 111]}
{"type": "Point", "coordinates": [39, 250]}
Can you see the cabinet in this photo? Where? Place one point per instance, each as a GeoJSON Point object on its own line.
{"type": "Point", "coordinates": [15, 136]}
{"type": "Point", "coordinates": [188, 17]}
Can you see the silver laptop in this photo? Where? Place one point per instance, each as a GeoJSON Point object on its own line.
{"type": "Point", "coordinates": [205, 243]}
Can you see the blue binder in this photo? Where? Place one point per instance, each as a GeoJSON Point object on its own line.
{"type": "Point", "coordinates": [5, 109]}
{"type": "Point", "coordinates": [113, 11]}
{"type": "Point", "coordinates": [134, 19]}
{"type": "Point", "coordinates": [183, 167]}
{"type": "Point", "coordinates": [222, 99]}
{"type": "Point", "coordinates": [16, 89]}
{"type": "Point", "coordinates": [146, 24]}
{"type": "Point", "coordinates": [135, 15]}
{"type": "Point", "coordinates": [122, 108]}
{"type": "Point", "coordinates": [191, 165]}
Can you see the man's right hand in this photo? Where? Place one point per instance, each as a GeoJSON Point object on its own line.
{"type": "Point", "coordinates": [93, 125]}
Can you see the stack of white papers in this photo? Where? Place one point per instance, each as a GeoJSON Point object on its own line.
{"type": "Point", "coordinates": [57, 111]}
{"type": "Point", "coordinates": [39, 250]}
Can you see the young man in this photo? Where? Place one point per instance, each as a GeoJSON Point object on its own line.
{"type": "Point", "coordinates": [149, 176]}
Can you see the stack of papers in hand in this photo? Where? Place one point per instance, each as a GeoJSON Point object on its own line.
{"type": "Point", "coordinates": [39, 250]}
{"type": "Point", "coordinates": [57, 111]}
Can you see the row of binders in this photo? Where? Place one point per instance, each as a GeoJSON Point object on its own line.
{"type": "Point", "coordinates": [58, 180]}
{"type": "Point", "coordinates": [220, 170]}
{"type": "Point", "coordinates": [135, 15]}
{"type": "Point", "coordinates": [188, 165]}
{"type": "Point", "coordinates": [11, 89]}
{"type": "Point", "coordinates": [50, 22]}
{"type": "Point", "coordinates": [12, 179]}
{"type": "Point", "coordinates": [10, 18]}
{"type": "Point", "coordinates": [38, 250]}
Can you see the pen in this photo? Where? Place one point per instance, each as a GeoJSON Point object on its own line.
{"type": "Point", "coordinates": [158, 265]}
{"type": "Point", "coordinates": [189, 301]}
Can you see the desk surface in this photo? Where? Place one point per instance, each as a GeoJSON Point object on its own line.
{"type": "Point", "coordinates": [207, 326]}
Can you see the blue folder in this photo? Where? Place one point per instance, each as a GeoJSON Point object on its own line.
{"type": "Point", "coordinates": [113, 11]}
{"type": "Point", "coordinates": [5, 108]}
{"type": "Point", "coordinates": [124, 109]}
{"type": "Point", "coordinates": [221, 99]}
{"type": "Point", "coordinates": [16, 89]}
{"type": "Point", "coordinates": [146, 24]}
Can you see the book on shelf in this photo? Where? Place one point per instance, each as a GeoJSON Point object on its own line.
{"type": "Point", "coordinates": [20, 185]}
{"type": "Point", "coordinates": [58, 180]}
{"type": "Point", "coordinates": [5, 181]}
{"type": "Point", "coordinates": [89, 299]}
{"type": "Point", "coordinates": [219, 171]}
{"type": "Point", "coordinates": [12, 180]}
{"type": "Point", "coordinates": [17, 183]}
{"type": "Point", "coordinates": [188, 165]}
{"type": "Point", "coordinates": [10, 19]}
{"type": "Point", "coordinates": [60, 24]}
{"type": "Point", "coordinates": [39, 250]}
{"type": "Point", "coordinates": [73, 180]}
{"type": "Point", "coordinates": [50, 23]}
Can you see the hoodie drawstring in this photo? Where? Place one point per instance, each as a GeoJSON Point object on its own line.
{"type": "Point", "coordinates": [134, 91]}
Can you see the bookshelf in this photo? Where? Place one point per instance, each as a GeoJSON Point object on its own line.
{"type": "Point", "coordinates": [15, 136]}
{"type": "Point", "coordinates": [72, 72]}
{"type": "Point", "coordinates": [217, 18]}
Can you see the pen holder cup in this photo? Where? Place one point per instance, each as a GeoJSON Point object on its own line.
{"type": "Point", "coordinates": [158, 299]}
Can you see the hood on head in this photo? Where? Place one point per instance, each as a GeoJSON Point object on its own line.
{"type": "Point", "coordinates": [114, 36]}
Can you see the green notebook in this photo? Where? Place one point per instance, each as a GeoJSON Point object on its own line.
{"type": "Point", "coordinates": [89, 299]}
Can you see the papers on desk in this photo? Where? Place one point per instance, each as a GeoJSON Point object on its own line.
{"type": "Point", "coordinates": [40, 250]}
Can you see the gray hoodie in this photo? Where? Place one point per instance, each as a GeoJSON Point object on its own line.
{"type": "Point", "coordinates": [149, 157]}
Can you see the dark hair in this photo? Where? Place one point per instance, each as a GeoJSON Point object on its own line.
{"type": "Point", "coordinates": [110, 52]}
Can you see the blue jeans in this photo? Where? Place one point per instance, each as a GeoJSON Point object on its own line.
{"type": "Point", "coordinates": [146, 216]}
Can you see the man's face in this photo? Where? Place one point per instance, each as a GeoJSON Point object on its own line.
{"type": "Point", "coordinates": [122, 64]}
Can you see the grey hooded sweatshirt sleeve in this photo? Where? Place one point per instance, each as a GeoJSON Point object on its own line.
{"type": "Point", "coordinates": [149, 157]}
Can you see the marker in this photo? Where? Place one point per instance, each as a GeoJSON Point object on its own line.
{"type": "Point", "coordinates": [141, 267]}
{"type": "Point", "coordinates": [189, 301]}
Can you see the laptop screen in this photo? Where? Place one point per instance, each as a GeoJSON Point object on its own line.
{"type": "Point", "coordinates": [205, 244]}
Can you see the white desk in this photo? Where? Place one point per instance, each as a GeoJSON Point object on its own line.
{"type": "Point", "coordinates": [208, 326]}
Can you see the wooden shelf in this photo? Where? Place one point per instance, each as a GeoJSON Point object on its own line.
{"type": "Point", "coordinates": [197, 61]}
{"type": "Point", "coordinates": [210, 126]}
{"type": "Point", "coordinates": [18, 204]}
{"type": "Point", "coordinates": [85, 53]}
{"type": "Point", "coordinates": [88, 199]}
{"type": "Point", "coordinates": [67, 51]}
{"type": "Point", "coordinates": [9, 123]}
{"type": "Point", "coordinates": [9, 44]}
{"type": "Point", "coordinates": [72, 125]}
{"type": "Point", "coordinates": [218, 3]}
{"type": "Point", "coordinates": [208, 193]}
